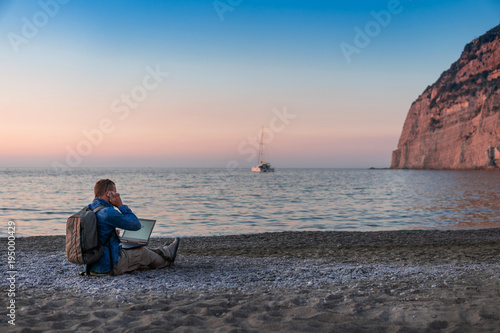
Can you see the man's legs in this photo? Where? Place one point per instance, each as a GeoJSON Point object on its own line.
{"type": "Point", "coordinates": [144, 258]}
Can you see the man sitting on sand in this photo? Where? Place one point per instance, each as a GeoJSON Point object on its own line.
{"type": "Point", "coordinates": [115, 260]}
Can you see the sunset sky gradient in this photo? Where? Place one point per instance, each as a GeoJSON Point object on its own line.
{"type": "Point", "coordinates": [190, 83]}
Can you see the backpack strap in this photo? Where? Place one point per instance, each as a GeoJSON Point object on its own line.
{"type": "Point", "coordinates": [113, 232]}
{"type": "Point", "coordinates": [98, 208]}
{"type": "Point", "coordinates": [87, 270]}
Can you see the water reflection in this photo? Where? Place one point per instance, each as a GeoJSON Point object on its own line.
{"type": "Point", "coordinates": [212, 201]}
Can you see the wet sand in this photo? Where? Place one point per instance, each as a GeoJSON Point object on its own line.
{"type": "Point", "coordinates": [401, 281]}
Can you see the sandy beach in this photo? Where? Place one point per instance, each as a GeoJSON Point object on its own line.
{"type": "Point", "coordinates": [397, 281]}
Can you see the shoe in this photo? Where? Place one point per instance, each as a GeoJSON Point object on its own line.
{"type": "Point", "coordinates": [172, 248]}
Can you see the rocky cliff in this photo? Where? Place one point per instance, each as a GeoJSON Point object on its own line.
{"type": "Point", "coordinates": [455, 123]}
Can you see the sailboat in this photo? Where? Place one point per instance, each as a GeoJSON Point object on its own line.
{"type": "Point", "coordinates": [263, 166]}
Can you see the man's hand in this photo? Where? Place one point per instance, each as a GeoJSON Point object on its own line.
{"type": "Point", "coordinates": [115, 199]}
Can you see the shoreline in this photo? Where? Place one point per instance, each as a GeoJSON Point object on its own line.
{"type": "Point", "coordinates": [295, 240]}
{"type": "Point", "coordinates": [292, 281]}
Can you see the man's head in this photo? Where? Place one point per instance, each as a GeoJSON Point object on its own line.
{"type": "Point", "coordinates": [103, 187]}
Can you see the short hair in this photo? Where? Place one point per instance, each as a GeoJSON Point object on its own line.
{"type": "Point", "coordinates": [102, 186]}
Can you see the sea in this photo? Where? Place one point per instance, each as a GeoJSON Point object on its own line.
{"type": "Point", "coordinates": [207, 202]}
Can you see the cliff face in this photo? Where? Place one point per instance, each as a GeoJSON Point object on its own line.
{"type": "Point", "coordinates": [455, 123]}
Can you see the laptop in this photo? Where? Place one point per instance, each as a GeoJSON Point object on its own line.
{"type": "Point", "coordinates": [132, 239]}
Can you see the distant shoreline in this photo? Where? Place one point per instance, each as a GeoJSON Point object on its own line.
{"type": "Point", "coordinates": [240, 168]}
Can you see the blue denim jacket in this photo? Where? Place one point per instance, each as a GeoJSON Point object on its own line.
{"type": "Point", "coordinates": [108, 219]}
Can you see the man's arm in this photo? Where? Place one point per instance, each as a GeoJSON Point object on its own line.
{"type": "Point", "coordinates": [126, 220]}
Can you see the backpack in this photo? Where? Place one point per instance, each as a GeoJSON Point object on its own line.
{"type": "Point", "coordinates": [82, 237]}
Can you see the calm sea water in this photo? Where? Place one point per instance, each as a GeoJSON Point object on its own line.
{"type": "Point", "coordinates": [190, 202]}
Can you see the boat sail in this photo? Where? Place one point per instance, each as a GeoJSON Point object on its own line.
{"type": "Point", "coordinates": [262, 166]}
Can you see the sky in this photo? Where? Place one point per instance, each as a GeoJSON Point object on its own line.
{"type": "Point", "coordinates": [192, 83]}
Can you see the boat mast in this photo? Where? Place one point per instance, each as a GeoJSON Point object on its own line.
{"type": "Point", "coordinates": [261, 144]}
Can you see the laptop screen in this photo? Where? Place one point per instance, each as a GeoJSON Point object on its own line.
{"type": "Point", "coordinates": [141, 235]}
